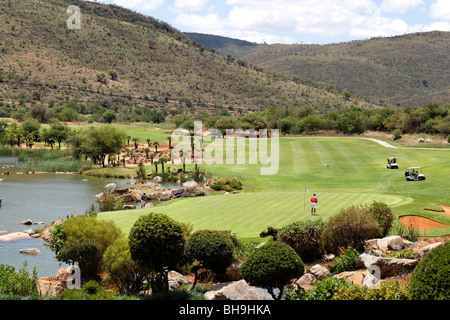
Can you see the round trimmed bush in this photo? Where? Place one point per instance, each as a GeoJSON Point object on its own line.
{"type": "Point", "coordinates": [272, 266]}
{"type": "Point", "coordinates": [157, 241]}
{"type": "Point", "coordinates": [212, 249]}
{"type": "Point", "coordinates": [350, 227]}
{"type": "Point", "coordinates": [430, 279]}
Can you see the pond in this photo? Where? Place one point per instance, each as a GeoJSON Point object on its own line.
{"type": "Point", "coordinates": [41, 198]}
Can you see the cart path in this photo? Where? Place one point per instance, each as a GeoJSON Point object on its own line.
{"type": "Point", "coordinates": [388, 145]}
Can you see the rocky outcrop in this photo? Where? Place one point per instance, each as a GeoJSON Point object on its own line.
{"type": "Point", "coordinates": [419, 254]}
{"type": "Point", "coordinates": [176, 280]}
{"type": "Point", "coordinates": [387, 266]}
{"type": "Point", "coordinates": [53, 286]}
{"type": "Point", "coordinates": [157, 193]}
{"type": "Point", "coordinates": [239, 290]}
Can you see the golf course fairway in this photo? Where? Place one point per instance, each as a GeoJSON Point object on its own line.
{"type": "Point", "coordinates": [341, 171]}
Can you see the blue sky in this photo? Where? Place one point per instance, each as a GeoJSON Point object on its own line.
{"type": "Point", "coordinates": [301, 21]}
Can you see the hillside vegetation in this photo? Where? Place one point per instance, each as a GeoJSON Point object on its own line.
{"type": "Point", "coordinates": [131, 64]}
{"type": "Point", "coordinates": [405, 70]}
{"type": "Point", "coordinates": [224, 45]}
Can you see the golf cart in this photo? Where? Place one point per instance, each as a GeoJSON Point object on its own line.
{"type": "Point", "coordinates": [414, 173]}
{"type": "Point", "coordinates": [392, 163]}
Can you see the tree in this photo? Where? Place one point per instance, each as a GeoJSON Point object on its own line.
{"type": "Point", "coordinates": [97, 142]}
{"type": "Point", "coordinates": [272, 266]}
{"type": "Point", "coordinates": [156, 144]}
{"type": "Point", "coordinates": [157, 241]}
{"type": "Point", "coordinates": [212, 250]}
{"type": "Point", "coordinates": [162, 161]}
{"type": "Point", "coordinates": [58, 132]}
{"type": "Point", "coordinates": [140, 173]}
{"type": "Point", "coordinates": [83, 239]}
{"type": "Point", "coordinates": [109, 116]}
{"type": "Point", "coordinates": [127, 274]}
{"type": "Point", "coordinates": [31, 126]}
{"type": "Point", "coordinates": [223, 124]}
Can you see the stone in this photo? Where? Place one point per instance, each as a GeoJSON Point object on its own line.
{"type": "Point", "coordinates": [387, 266]}
{"type": "Point", "coordinates": [391, 243]}
{"type": "Point", "coordinates": [319, 271]}
{"type": "Point", "coordinates": [357, 276]}
{"type": "Point", "coordinates": [385, 244]}
{"type": "Point", "coordinates": [329, 257]}
{"type": "Point", "coordinates": [53, 286]}
{"type": "Point", "coordinates": [157, 180]}
{"type": "Point", "coordinates": [239, 290]}
{"type": "Point", "coordinates": [232, 273]}
{"type": "Point", "coordinates": [28, 221]}
{"type": "Point", "coordinates": [419, 254]}
{"type": "Point", "coordinates": [31, 251]}
{"type": "Point", "coordinates": [176, 280]}
{"type": "Point", "coordinates": [306, 281]}
{"type": "Point", "coordinates": [128, 207]}
{"type": "Point", "coordinates": [111, 186]}
{"type": "Point", "coordinates": [190, 184]}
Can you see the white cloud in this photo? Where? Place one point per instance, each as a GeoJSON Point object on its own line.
{"type": "Point", "coordinates": [440, 10]}
{"type": "Point", "coordinates": [400, 6]}
{"type": "Point", "coordinates": [189, 5]}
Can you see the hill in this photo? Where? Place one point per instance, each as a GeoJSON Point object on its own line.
{"type": "Point", "coordinates": [225, 45]}
{"type": "Point", "coordinates": [406, 70]}
{"type": "Point", "coordinates": [129, 63]}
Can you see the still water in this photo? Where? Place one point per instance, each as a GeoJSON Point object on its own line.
{"type": "Point", "coordinates": [45, 198]}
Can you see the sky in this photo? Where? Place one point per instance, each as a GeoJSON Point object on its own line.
{"type": "Point", "coordinates": [297, 21]}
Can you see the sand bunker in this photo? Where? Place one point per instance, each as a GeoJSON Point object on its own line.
{"type": "Point", "coordinates": [419, 222]}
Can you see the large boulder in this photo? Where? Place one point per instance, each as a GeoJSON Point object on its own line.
{"type": "Point", "coordinates": [357, 276]}
{"type": "Point", "coordinates": [176, 280]}
{"type": "Point", "coordinates": [320, 271]}
{"type": "Point", "coordinates": [385, 244]}
{"type": "Point", "coordinates": [387, 266]}
{"type": "Point", "coordinates": [240, 290]}
{"type": "Point", "coordinates": [53, 286]}
{"type": "Point", "coordinates": [419, 254]}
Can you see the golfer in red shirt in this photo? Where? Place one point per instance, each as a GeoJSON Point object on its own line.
{"type": "Point", "coordinates": [313, 204]}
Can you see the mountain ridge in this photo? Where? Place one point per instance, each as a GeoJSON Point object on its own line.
{"type": "Point", "coordinates": [405, 70]}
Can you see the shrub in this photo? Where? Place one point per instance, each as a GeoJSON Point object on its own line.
{"type": "Point", "coordinates": [346, 261]}
{"type": "Point", "coordinates": [126, 274]}
{"type": "Point", "coordinates": [212, 249]}
{"type": "Point", "coordinates": [304, 237]}
{"type": "Point", "coordinates": [89, 291]}
{"type": "Point", "coordinates": [429, 280]}
{"type": "Point", "coordinates": [382, 214]}
{"type": "Point", "coordinates": [19, 282]}
{"type": "Point", "coordinates": [388, 290]}
{"type": "Point", "coordinates": [324, 289]}
{"type": "Point", "coordinates": [350, 227]}
{"type": "Point", "coordinates": [84, 239]}
{"type": "Point", "coordinates": [272, 266]}
{"type": "Point", "coordinates": [156, 241]}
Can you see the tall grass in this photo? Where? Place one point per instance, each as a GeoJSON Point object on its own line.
{"type": "Point", "coordinates": [47, 160]}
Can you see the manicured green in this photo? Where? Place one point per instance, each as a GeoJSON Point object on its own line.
{"type": "Point", "coordinates": [341, 171]}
